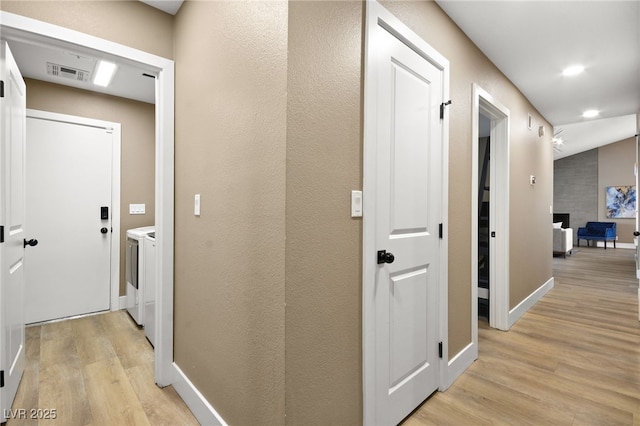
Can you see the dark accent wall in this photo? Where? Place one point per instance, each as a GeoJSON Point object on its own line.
{"type": "Point", "coordinates": [575, 188]}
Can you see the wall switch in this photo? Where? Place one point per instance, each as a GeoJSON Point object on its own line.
{"type": "Point", "coordinates": [136, 208]}
{"type": "Point", "coordinates": [551, 209]}
{"type": "Point", "coordinates": [532, 180]}
{"type": "Point", "coordinates": [196, 205]}
{"type": "Point", "coordinates": [356, 203]}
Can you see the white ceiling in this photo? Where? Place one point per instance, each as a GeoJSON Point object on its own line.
{"type": "Point", "coordinates": [531, 42]}
{"type": "Point", "coordinates": [33, 58]}
{"type": "Point", "coordinates": [169, 6]}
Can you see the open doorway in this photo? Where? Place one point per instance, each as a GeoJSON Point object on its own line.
{"type": "Point", "coordinates": [39, 32]}
{"type": "Point", "coordinates": [484, 208]}
{"type": "Point", "coordinates": [490, 202]}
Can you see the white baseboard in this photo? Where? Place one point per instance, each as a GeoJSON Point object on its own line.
{"type": "Point", "coordinates": [618, 245]}
{"type": "Point", "coordinates": [526, 304]}
{"type": "Point", "coordinates": [197, 403]}
{"type": "Point", "coordinates": [458, 364]}
{"type": "Point", "coordinates": [123, 302]}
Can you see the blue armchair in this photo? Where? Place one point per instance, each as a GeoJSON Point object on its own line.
{"type": "Point", "coordinates": [598, 231]}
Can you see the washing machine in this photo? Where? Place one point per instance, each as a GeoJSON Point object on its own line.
{"type": "Point", "coordinates": [135, 272]}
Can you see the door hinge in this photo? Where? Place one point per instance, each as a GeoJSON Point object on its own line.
{"type": "Point", "coordinates": [442, 105]}
{"type": "Point", "coordinates": [2, 379]}
{"type": "Point", "coordinates": [440, 350]}
{"type": "Point", "coordinates": [1, 234]}
{"type": "Point", "coordinates": [1, 88]}
{"type": "Point", "coordinates": [440, 231]}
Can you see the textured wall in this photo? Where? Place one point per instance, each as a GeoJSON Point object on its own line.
{"type": "Point", "coordinates": [231, 93]}
{"type": "Point", "coordinates": [615, 168]}
{"type": "Point", "coordinates": [575, 188]}
{"type": "Point", "coordinates": [131, 23]}
{"type": "Point", "coordinates": [324, 250]}
{"type": "Point", "coordinates": [137, 175]}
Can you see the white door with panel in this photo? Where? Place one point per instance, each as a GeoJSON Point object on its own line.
{"type": "Point", "coordinates": [407, 216]}
{"type": "Point", "coordinates": [12, 220]}
{"type": "Point", "coordinates": [69, 197]}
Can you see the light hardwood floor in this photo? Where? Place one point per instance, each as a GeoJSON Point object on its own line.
{"type": "Point", "coordinates": [573, 359]}
{"type": "Point", "coordinates": [96, 370]}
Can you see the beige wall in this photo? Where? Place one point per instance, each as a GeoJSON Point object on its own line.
{"type": "Point", "coordinates": [615, 168]}
{"type": "Point", "coordinates": [131, 23]}
{"type": "Point", "coordinates": [231, 94]}
{"type": "Point", "coordinates": [324, 250]}
{"type": "Point", "coordinates": [137, 177]}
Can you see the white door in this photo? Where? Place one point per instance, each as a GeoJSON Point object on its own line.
{"type": "Point", "coordinates": [68, 185]}
{"type": "Point", "coordinates": [12, 220]}
{"type": "Point", "coordinates": [408, 215]}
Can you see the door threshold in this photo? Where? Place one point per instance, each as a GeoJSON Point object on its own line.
{"type": "Point", "coordinates": [90, 314]}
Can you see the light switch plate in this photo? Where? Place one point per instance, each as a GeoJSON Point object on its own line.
{"type": "Point", "coordinates": [356, 203]}
{"type": "Point", "coordinates": [136, 209]}
{"type": "Point", "coordinates": [196, 205]}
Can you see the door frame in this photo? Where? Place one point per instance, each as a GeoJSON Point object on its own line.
{"type": "Point", "coordinates": [116, 149]}
{"type": "Point", "coordinates": [376, 15]}
{"type": "Point", "coordinates": [485, 104]}
{"type": "Point", "coordinates": [12, 25]}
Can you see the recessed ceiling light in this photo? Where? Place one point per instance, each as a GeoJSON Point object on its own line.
{"type": "Point", "coordinates": [573, 70]}
{"type": "Point", "coordinates": [591, 113]}
{"type": "Point", "coordinates": [104, 74]}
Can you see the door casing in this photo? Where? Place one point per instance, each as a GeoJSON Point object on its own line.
{"type": "Point", "coordinates": [376, 16]}
{"type": "Point", "coordinates": [115, 129]}
{"type": "Point", "coordinates": [12, 25]}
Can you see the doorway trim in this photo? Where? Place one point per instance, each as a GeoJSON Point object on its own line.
{"type": "Point", "coordinates": [377, 15]}
{"type": "Point", "coordinates": [485, 104]}
{"type": "Point", "coordinates": [116, 147]}
{"type": "Point", "coordinates": [20, 26]}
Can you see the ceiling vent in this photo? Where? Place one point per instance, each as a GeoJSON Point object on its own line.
{"type": "Point", "coordinates": [67, 72]}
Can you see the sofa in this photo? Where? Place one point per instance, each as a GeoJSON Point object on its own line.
{"type": "Point", "coordinates": [598, 231]}
{"type": "Point", "coordinates": [562, 241]}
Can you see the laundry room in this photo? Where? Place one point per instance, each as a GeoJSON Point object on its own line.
{"type": "Point", "coordinates": [137, 169]}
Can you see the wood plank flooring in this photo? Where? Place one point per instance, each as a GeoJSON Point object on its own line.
{"type": "Point", "coordinates": [573, 359]}
{"type": "Point", "coordinates": [96, 370]}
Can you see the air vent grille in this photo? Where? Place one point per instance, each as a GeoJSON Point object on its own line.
{"type": "Point", "coordinates": [67, 72]}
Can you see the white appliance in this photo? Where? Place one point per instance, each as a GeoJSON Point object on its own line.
{"type": "Point", "coordinates": [150, 287]}
{"type": "Point", "coordinates": [135, 272]}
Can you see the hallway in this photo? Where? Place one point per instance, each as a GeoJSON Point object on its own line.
{"type": "Point", "coordinates": [573, 359]}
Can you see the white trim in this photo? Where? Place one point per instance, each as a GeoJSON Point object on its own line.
{"type": "Point", "coordinates": [12, 25]}
{"type": "Point", "coordinates": [483, 102]}
{"type": "Point", "coordinates": [116, 147]}
{"type": "Point", "coordinates": [459, 363]}
{"type": "Point", "coordinates": [618, 245]}
{"type": "Point", "coordinates": [529, 301]}
{"type": "Point", "coordinates": [197, 403]}
{"type": "Point", "coordinates": [376, 15]}
{"type": "Point", "coordinates": [122, 302]}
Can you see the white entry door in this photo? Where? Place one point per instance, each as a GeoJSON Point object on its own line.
{"type": "Point", "coordinates": [69, 190]}
{"type": "Point", "coordinates": [408, 214]}
{"type": "Point", "coordinates": [12, 233]}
